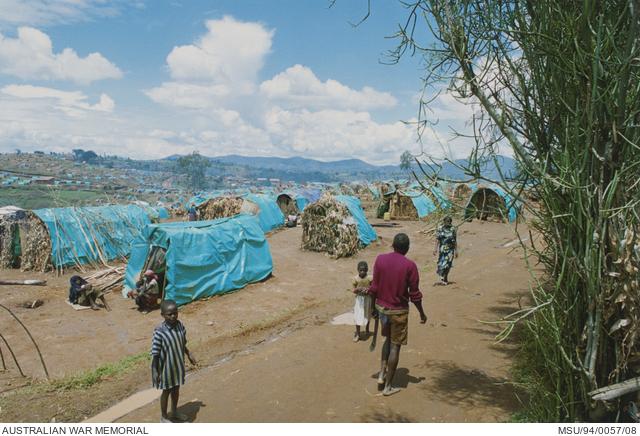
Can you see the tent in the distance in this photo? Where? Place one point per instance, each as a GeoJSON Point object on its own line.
{"type": "Point", "coordinates": [198, 259]}
{"type": "Point", "coordinates": [492, 203]}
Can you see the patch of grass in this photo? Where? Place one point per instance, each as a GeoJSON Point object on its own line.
{"type": "Point", "coordinates": [91, 377]}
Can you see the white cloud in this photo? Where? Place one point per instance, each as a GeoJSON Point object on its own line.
{"type": "Point", "coordinates": [188, 95]}
{"type": "Point", "coordinates": [338, 134]}
{"type": "Point", "coordinates": [70, 102]}
{"type": "Point", "coordinates": [223, 62]}
{"type": "Point", "coordinates": [46, 12]}
{"type": "Point", "coordinates": [31, 56]}
{"type": "Point", "coordinates": [299, 87]}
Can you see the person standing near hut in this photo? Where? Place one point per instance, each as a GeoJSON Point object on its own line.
{"type": "Point", "coordinates": [192, 212]}
{"type": "Point", "coordinates": [168, 347]}
{"type": "Point", "coordinates": [363, 307]}
{"type": "Point", "coordinates": [395, 283]}
{"type": "Point", "coordinates": [446, 248]}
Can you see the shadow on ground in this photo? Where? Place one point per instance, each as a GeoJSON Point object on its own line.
{"type": "Point", "coordinates": [469, 387]}
{"type": "Point", "coordinates": [191, 409]}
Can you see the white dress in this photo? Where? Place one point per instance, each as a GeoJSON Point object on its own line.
{"type": "Point", "coordinates": [363, 306]}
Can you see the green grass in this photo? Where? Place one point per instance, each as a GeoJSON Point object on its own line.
{"type": "Point", "coordinates": [91, 377]}
{"type": "Point", "coordinates": [38, 197]}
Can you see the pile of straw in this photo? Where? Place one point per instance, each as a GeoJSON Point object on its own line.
{"type": "Point", "coordinates": [220, 207]}
{"type": "Point", "coordinates": [327, 226]}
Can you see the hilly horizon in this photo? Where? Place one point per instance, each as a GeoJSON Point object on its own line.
{"type": "Point", "coordinates": [348, 168]}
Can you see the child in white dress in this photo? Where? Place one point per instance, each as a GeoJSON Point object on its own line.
{"type": "Point", "coordinates": [363, 307]}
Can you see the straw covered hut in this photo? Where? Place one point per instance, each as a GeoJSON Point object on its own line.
{"type": "Point", "coordinates": [491, 204]}
{"type": "Point", "coordinates": [462, 193]}
{"type": "Point", "coordinates": [287, 204]}
{"type": "Point", "coordinates": [24, 240]}
{"type": "Point", "coordinates": [336, 225]}
{"type": "Point", "coordinates": [263, 206]}
{"type": "Point", "coordinates": [220, 207]}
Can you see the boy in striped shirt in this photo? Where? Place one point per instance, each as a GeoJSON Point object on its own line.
{"type": "Point", "coordinates": [168, 347]}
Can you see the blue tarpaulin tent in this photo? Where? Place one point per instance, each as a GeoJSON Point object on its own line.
{"type": "Point", "coordinates": [366, 233]}
{"type": "Point", "coordinates": [81, 235]}
{"type": "Point", "coordinates": [423, 204]}
{"type": "Point", "coordinates": [203, 258]}
{"type": "Point", "coordinates": [270, 215]}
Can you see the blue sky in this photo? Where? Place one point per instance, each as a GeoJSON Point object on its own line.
{"type": "Point", "coordinates": [148, 79]}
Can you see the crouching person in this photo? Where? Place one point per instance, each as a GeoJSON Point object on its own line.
{"type": "Point", "coordinates": [147, 292]}
{"type": "Point", "coordinates": [83, 294]}
{"type": "Point", "coordinates": [168, 347]}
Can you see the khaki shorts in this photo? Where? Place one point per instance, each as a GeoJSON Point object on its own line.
{"type": "Point", "coordinates": [395, 327]}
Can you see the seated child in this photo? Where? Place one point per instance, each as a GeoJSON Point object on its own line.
{"type": "Point", "coordinates": [82, 293]}
{"type": "Point", "coordinates": [147, 292]}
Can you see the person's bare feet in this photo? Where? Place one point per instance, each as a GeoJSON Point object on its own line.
{"type": "Point", "coordinates": [390, 391]}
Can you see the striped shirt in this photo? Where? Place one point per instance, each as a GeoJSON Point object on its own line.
{"type": "Point", "coordinates": [168, 344]}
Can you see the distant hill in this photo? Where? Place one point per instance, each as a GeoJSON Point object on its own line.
{"type": "Point", "coordinates": [488, 169]}
{"type": "Point", "coordinates": [303, 169]}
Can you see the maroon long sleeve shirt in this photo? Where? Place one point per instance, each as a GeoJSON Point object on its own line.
{"type": "Point", "coordinates": [395, 282]}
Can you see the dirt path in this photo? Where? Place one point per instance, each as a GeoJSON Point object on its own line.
{"type": "Point", "coordinates": [299, 367]}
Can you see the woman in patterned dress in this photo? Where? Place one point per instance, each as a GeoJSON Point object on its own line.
{"type": "Point", "coordinates": [446, 247]}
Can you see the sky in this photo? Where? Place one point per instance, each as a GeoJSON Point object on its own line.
{"type": "Point", "coordinates": [152, 78]}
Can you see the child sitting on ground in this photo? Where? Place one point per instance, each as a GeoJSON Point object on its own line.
{"type": "Point", "coordinates": [168, 347]}
{"type": "Point", "coordinates": [363, 307]}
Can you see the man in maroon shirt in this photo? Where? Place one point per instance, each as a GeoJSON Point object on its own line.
{"type": "Point", "coordinates": [395, 283]}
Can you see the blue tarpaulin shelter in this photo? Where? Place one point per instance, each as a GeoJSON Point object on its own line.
{"type": "Point", "coordinates": [423, 204]}
{"type": "Point", "coordinates": [366, 233]}
{"type": "Point", "coordinates": [270, 215]}
{"type": "Point", "coordinates": [203, 258]}
{"type": "Point", "coordinates": [163, 213]}
{"type": "Point", "coordinates": [82, 235]}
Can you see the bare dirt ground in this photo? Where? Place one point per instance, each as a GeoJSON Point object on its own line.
{"type": "Point", "coordinates": [269, 352]}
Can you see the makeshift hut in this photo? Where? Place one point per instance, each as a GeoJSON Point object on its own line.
{"type": "Point", "coordinates": [87, 235]}
{"type": "Point", "coordinates": [336, 225]}
{"type": "Point", "coordinates": [462, 193]}
{"type": "Point", "coordinates": [263, 206]}
{"type": "Point", "coordinates": [493, 204]}
{"type": "Point", "coordinates": [220, 207]}
{"type": "Point", "coordinates": [416, 204]}
{"type": "Point", "coordinates": [24, 240]}
{"type": "Point", "coordinates": [199, 259]}
{"type": "Point", "coordinates": [287, 204]}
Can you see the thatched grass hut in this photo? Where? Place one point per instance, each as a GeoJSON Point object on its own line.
{"type": "Point", "coordinates": [287, 204]}
{"type": "Point", "coordinates": [462, 193]}
{"type": "Point", "coordinates": [220, 207]}
{"type": "Point", "coordinates": [491, 204]}
{"type": "Point", "coordinates": [335, 225]}
{"type": "Point", "coordinates": [24, 240]}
